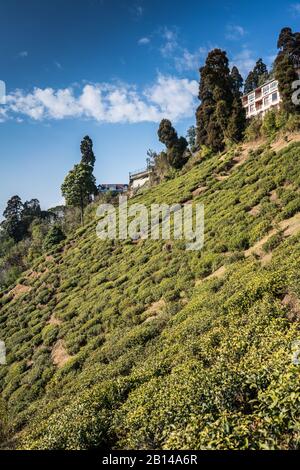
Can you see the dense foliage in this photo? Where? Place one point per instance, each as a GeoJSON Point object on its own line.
{"type": "Point", "coordinates": [220, 116]}
{"type": "Point", "coordinates": [175, 146]}
{"type": "Point", "coordinates": [286, 64]}
{"type": "Point", "coordinates": [79, 185]}
{"type": "Point", "coordinates": [154, 353]}
{"type": "Point", "coordinates": [256, 77]}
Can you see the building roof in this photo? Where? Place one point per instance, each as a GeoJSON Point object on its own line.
{"type": "Point", "coordinates": [261, 86]}
{"type": "Point", "coordinates": [137, 173]}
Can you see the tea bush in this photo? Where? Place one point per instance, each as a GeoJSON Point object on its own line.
{"type": "Point", "coordinates": [156, 355]}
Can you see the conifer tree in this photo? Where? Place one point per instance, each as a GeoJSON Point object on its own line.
{"type": "Point", "coordinates": [86, 148]}
{"type": "Point", "coordinates": [220, 115]}
{"type": "Point", "coordinates": [80, 184]}
{"type": "Point", "coordinates": [287, 60]}
{"type": "Point", "coordinates": [191, 138]}
{"type": "Point", "coordinates": [256, 77]}
{"type": "Point", "coordinates": [176, 147]}
{"type": "Point", "coordinates": [166, 133]}
{"type": "Point", "coordinates": [13, 224]}
{"type": "Point", "coordinates": [250, 83]}
{"type": "Point", "coordinates": [260, 72]}
{"type": "Point", "coordinates": [237, 81]}
{"type": "Point", "coordinates": [78, 187]}
{"type": "Point", "coordinates": [237, 119]}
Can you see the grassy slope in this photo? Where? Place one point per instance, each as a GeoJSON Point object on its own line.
{"type": "Point", "coordinates": [159, 355]}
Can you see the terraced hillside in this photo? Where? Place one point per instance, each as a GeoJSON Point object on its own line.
{"type": "Point", "coordinates": [146, 345]}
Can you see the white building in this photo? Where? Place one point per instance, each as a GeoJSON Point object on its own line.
{"type": "Point", "coordinates": [138, 178]}
{"type": "Point", "coordinates": [262, 99]}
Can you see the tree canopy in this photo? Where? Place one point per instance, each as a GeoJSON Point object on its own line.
{"type": "Point", "coordinates": [286, 63]}
{"type": "Point", "coordinates": [220, 115]}
{"type": "Point", "coordinates": [176, 147]}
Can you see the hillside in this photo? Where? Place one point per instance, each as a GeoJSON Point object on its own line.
{"type": "Point", "coordinates": [145, 345]}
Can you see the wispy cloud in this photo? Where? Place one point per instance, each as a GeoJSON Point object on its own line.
{"type": "Point", "coordinates": [172, 49]}
{"type": "Point", "coordinates": [137, 11]}
{"type": "Point", "coordinates": [234, 32]}
{"type": "Point", "coordinates": [190, 60]}
{"type": "Point", "coordinates": [23, 54]}
{"type": "Point", "coordinates": [244, 60]}
{"type": "Point", "coordinates": [295, 9]}
{"type": "Point", "coordinates": [169, 97]}
{"type": "Point", "coordinates": [143, 41]}
{"type": "Point", "coordinates": [57, 64]}
{"type": "Point", "coordinates": [170, 42]}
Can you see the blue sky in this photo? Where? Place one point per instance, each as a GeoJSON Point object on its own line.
{"type": "Point", "coordinates": [111, 69]}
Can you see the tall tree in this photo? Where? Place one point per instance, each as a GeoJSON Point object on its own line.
{"type": "Point", "coordinates": [166, 133]}
{"type": "Point", "coordinates": [13, 224]}
{"type": "Point", "coordinates": [256, 77]}
{"type": "Point", "coordinates": [31, 211]}
{"type": "Point", "coordinates": [260, 72]}
{"type": "Point", "coordinates": [237, 81]}
{"type": "Point", "coordinates": [86, 148]}
{"type": "Point", "coordinates": [176, 147]}
{"type": "Point", "coordinates": [79, 186]}
{"type": "Point", "coordinates": [250, 83]}
{"type": "Point", "coordinates": [177, 153]}
{"type": "Point", "coordinates": [286, 63]}
{"type": "Point", "coordinates": [191, 138]}
{"type": "Point", "coordinates": [237, 120]}
{"type": "Point", "coordinates": [218, 91]}
{"type": "Point", "coordinates": [31, 208]}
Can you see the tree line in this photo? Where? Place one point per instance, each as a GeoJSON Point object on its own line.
{"type": "Point", "coordinates": [220, 121]}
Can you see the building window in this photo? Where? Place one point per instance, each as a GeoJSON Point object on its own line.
{"type": "Point", "coordinates": [252, 108]}
{"type": "Point", "coordinates": [274, 96]}
{"type": "Point", "coordinates": [266, 89]}
{"type": "Point", "coordinates": [267, 101]}
{"type": "Point", "coordinates": [273, 86]}
{"type": "Point", "coordinates": [251, 98]}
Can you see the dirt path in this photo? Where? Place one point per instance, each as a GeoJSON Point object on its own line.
{"type": "Point", "coordinates": [289, 226]}
{"type": "Point", "coordinates": [59, 354]}
{"type": "Point", "coordinates": [216, 274]}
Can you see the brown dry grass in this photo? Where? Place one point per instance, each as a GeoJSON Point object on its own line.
{"type": "Point", "coordinates": [59, 354]}
{"type": "Point", "coordinates": [291, 302]}
{"type": "Point", "coordinates": [19, 290]}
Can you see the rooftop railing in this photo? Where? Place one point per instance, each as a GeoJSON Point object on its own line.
{"type": "Point", "coordinates": [137, 172]}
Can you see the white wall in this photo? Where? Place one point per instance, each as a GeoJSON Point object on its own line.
{"type": "Point", "coordinates": [139, 182]}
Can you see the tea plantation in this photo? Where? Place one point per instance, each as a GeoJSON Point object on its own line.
{"type": "Point", "coordinates": [145, 345]}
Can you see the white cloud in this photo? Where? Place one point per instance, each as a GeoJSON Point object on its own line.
{"type": "Point", "coordinates": [170, 42]}
{"type": "Point", "coordinates": [295, 9]}
{"type": "Point", "coordinates": [168, 97]}
{"type": "Point", "coordinates": [244, 61]}
{"type": "Point", "coordinates": [190, 60]}
{"type": "Point", "coordinates": [137, 11]}
{"type": "Point", "coordinates": [183, 58]}
{"type": "Point", "coordinates": [23, 54]}
{"type": "Point", "coordinates": [174, 97]}
{"type": "Point", "coordinates": [143, 41]}
{"type": "Point", "coordinates": [234, 32]}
